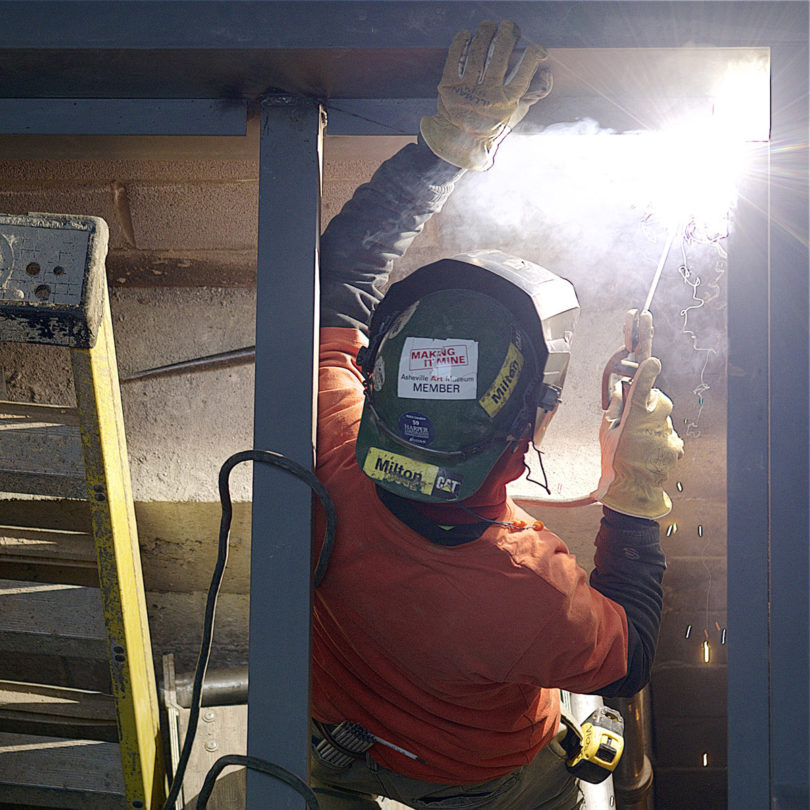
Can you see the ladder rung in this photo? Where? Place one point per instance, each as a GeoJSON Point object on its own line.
{"type": "Point", "coordinates": [45, 443]}
{"type": "Point", "coordinates": [54, 772]}
{"type": "Point", "coordinates": [42, 668]}
{"type": "Point", "coordinates": [65, 620]}
{"type": "Point", "coordinates": [59, 514]}
{"type": "Point", "coordinates": [37, 413]}
{"type": "Point", "coordinates": [54, 711]}
{"type": "Point", "coordinates": [47, 555]}
{"type": "Point", "coordinates": [33, 482]}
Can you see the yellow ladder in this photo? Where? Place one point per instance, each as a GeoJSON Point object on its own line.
{"type": "Point", "coordinates": [53, 291]}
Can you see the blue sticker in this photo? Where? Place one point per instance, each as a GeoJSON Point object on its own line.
{"type": "Point", "coordinates": [416, 428]}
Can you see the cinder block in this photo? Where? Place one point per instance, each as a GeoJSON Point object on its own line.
{"type": "Point", "coordinates": [702, 527]}
{"type": "Point", "coordinates": [94, 200]}
{"type": "Point", "coordinates": [335, 195]}
{"type": "Point", "coordinates": [682, 742]}
{"type": "Point", "coordinates": [674, 648]}
{"type": "Point", "coordinates": [691, 789]}
{"type": "Point", "coordinates": [689, 691]}
{"type": "Point", "coordinates": [103, 171]}
{"type": "Point", "coordinates": [194, 216]}
{"type": "Point", "coordinates": [175, 624]}
{"type": "Point", "coordinates": [695, 584]}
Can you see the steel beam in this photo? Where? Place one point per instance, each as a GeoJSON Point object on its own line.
{"type": "Point", "coordinates": [285, 417]}
{"type": "Point", "coordinates": [768, 458]}
{"type": "Point", "coordinates": [747, 493]}
{"type": "Point", "coordinates": [262, 25]}
{"type": "Point", "coordinates": [789, 431]}
{"type": "Point", "coordinates": [92, 116]}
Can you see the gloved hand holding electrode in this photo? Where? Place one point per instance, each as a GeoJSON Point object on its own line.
{"type": "Point", "coordinates": [639, 444]}
{"type": "Point", "coordinates": [480, 98]}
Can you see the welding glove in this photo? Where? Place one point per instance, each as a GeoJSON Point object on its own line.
{"type": "Point", "coordinates": [639, 446]}
{"type": "Point", "coordinates": [478, 102]}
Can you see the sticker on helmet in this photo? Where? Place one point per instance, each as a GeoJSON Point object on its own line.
{"type": "Point", "coordinates": [382, 465]}
{"type": "Point", "coordinates": [401, 320]}
{"type": "Point", "coordinates": [446, 486]}
{"type": "Point", "coordinates": [394, 468]}
{"type": "Point", "coordinates": [416, 428]}
{"type": "Point", "coordinates": [504, 383]}
{"type": "Point", "coordinates": [378, 375]}
{"type": "Point", "coordinates": [430, 368]}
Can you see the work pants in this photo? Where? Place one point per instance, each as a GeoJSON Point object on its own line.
{"type": "Point", "coordinates": [544, 784]}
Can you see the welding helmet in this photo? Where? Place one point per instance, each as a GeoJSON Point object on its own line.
{"type": "Point", "coordinates": [466, 357]}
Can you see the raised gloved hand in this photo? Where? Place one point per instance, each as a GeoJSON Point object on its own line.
{"type": "Point", "coordinates": [639, 445]}
{"type": "Point", "coordinates": [478, 102]}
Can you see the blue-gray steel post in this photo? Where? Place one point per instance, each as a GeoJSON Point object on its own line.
{"type": "Point", "coordinates": [285, 418]}
{"type": "Point", "coordinates": [789, 389]}
{"type": "Point", "coordinates": [747, 493]}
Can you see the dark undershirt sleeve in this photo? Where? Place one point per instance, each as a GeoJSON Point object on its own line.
{"type": "Point", "coordinates": [629, 570]}
{"type": "Point", "coordinates": [376, 227]}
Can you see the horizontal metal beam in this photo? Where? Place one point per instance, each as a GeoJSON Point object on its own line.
{"type": "Point", "coordinates": [93, 116]}
{"type": "Point", "coordinates": [401, 116]}
{"type": "Point", "coordinates": [242, 25]}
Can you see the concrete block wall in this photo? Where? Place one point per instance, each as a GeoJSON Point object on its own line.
{"type": "Point", "coordinates": [182, 274]}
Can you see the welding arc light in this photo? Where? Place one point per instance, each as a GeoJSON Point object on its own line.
{"type": "Point", "coordinates": [697, 176]}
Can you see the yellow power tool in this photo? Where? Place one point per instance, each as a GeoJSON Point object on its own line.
{"type": "Point", "coordinates": [594, 748]}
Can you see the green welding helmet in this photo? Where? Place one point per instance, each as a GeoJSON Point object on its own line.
{"type": "Point", "coordinates": [466, 357]}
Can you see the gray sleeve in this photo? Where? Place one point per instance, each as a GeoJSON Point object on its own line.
{"type": "Point", "coordinates": [377, 226]}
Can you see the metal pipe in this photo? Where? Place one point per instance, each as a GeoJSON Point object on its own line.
{"type": "Point", "coordinates": [633, 777]}
{"type": "Point", "coordinates": [222, 687]}
{"type": "Point", "coordinates": [234, 357]}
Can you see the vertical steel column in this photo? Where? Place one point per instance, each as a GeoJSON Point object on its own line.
{"type": "Point", "coordinates": [768, 460]}
{"type": "Point", "coordinates": [747, 493]}
{"type": "Point", "coordinates": [285, 418]}
{"type": "Point", "coordinates": [789, 390]}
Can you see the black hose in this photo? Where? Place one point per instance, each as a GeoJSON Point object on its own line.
{"type": "Point", "coordinates": [288, 777]}
{"type": "Point", "coordinates": [306, 475]}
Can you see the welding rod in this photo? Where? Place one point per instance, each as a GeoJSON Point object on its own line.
{"type": "Point", "coordinates": [661, 263]}
{"type": "Point", "coordinates": [235, 357]}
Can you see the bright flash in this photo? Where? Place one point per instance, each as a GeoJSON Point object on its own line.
{"type": "Point", "coordinates": [696, 176]}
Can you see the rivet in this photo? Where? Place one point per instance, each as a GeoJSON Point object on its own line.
{"type": "Point", "coordinates": [211, 745]}
{"type": "Point", "coordinates": [209, 716]}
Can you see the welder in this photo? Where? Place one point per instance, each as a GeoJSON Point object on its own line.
{"type": "Point", "coordinates": [449, 619]}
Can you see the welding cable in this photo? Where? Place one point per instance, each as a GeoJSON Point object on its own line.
{"type": "Point", "coordinates": [282, 774]}
{"type": "Point", "coordinates": [306, 475]}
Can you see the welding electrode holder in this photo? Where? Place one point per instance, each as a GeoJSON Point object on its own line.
{"type": "Point", "coordinates": [637, 342]}
{"type": "Point", "coordinates": [594, 748]}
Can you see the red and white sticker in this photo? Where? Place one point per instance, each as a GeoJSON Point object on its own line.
{"type": "Point", "coordinates": [438, 369]}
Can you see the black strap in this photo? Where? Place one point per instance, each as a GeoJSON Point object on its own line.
{"type": "Point", "coordinates": [404, 510]}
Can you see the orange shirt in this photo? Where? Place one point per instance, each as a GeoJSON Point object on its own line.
{"type": "Point", "coordinates": [454, 653]}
